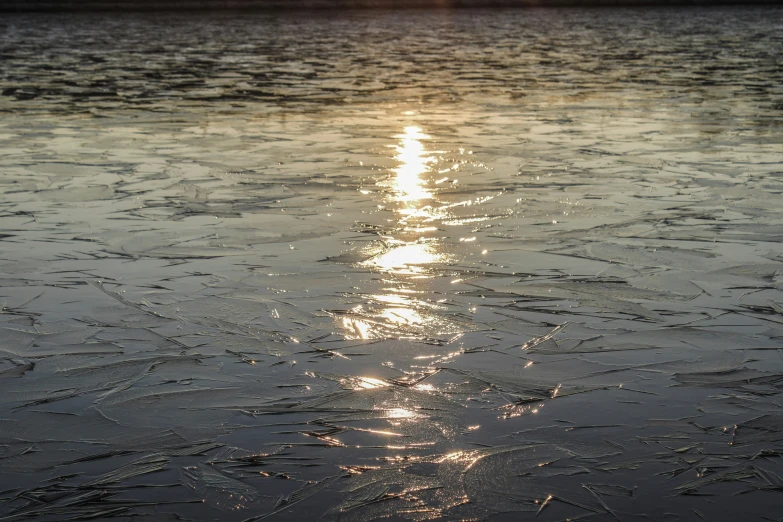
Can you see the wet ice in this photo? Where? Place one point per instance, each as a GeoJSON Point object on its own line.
{"type": "Point", "coordinates": [413, 265]}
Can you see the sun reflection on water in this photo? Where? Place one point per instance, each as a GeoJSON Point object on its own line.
{"type": "Point", "coordinates": [406, 258]}
{"type": "Point", "coordinates": [410, 189]}
{"type": "Point", "coordinates": [396, 316]}
{"type": "Point", "coordinates": [414, 161]}
{"type": "Point", "coordinates": [407, 253]}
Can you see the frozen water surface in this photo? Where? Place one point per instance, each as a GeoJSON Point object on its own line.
{"type": "Point", "coordinates": [409, 265]}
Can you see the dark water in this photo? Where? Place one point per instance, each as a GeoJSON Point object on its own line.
{"type": "Point", "coordinates": [490, 59]}
{"type": "Point", "coordinates": [412, 265]}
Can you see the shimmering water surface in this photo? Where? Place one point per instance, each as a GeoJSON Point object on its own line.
{"type": "Point", "coordinates": [410, 265]}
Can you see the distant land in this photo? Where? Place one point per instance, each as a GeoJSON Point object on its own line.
{"type": "Point", "coordinates": [262, 5]}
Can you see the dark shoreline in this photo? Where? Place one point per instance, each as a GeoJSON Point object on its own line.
{"type": "Point", "coordinates": [53, 6]}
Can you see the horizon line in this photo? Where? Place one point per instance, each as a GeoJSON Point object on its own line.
{"type": "Point", "coordinates": [53, 6]}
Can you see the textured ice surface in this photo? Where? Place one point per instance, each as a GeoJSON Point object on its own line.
{"type": "Point", "coordinates": [456, 265]}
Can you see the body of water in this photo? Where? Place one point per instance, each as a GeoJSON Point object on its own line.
{"type": "Point", "coordinates": [415, 265]}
